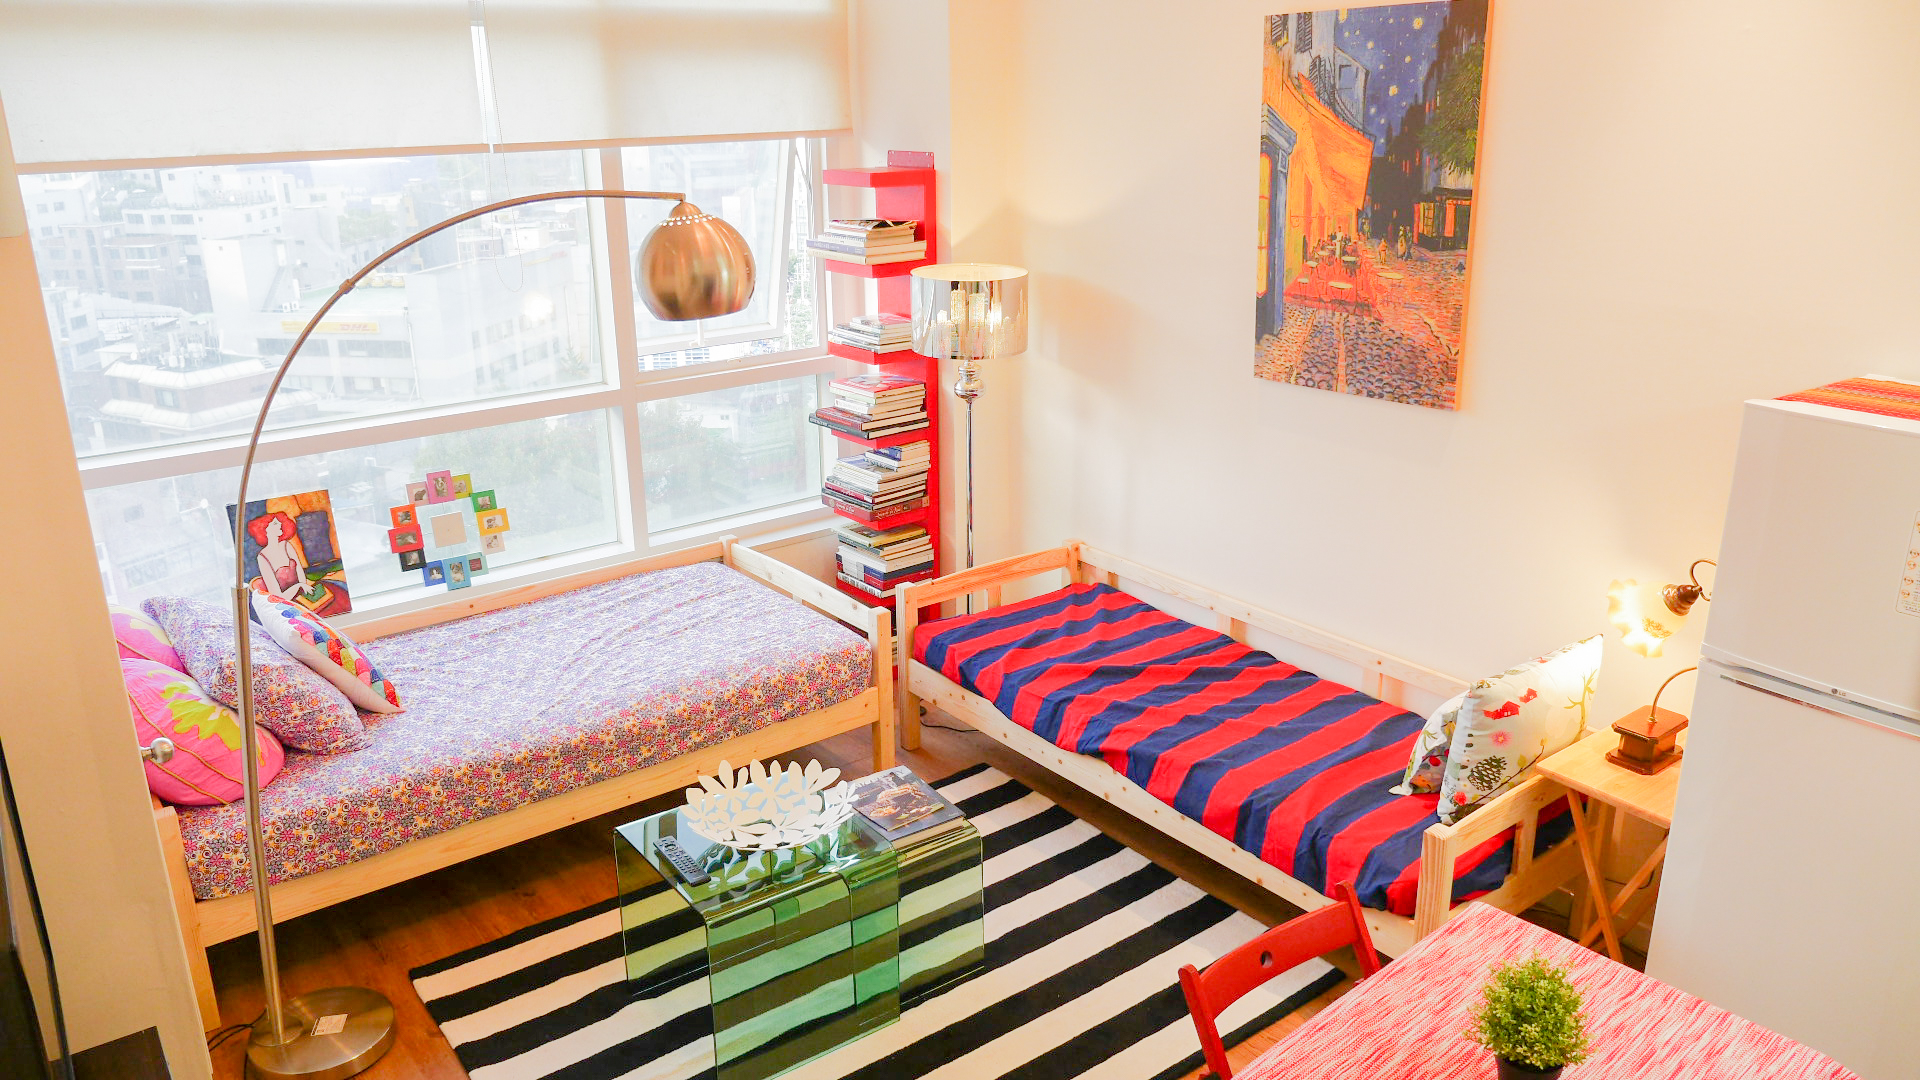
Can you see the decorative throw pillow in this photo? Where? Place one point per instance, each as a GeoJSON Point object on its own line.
{"type": "Point", "coordinates": [1514, 719]}
{"type": "Point", "coordinates": [308, 639]}
{"type": "Point", "coordinates": [1430, 750]}
{"type": "Point", "coordinates": [140, 638]}
{"type": "Point", "coordinates": [289, 697]}
{"type": "Point", "coordinates": [206, 768]}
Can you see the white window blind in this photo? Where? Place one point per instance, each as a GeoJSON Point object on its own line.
{"type": "Point", "coordinates": [604, 71]}
{"type": "Point", "coordinates": [130, 80]}
{"type": "Point", "coordinates": [118, 80]}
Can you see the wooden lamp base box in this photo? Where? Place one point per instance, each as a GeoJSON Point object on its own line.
{"type": "Point", "coordinates": [1648, 743]}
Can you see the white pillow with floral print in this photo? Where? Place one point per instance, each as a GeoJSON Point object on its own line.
{"type": "Point", "coordinates": [1429, 760]}
{"type": "Point", "coordinates": [1514, 719]}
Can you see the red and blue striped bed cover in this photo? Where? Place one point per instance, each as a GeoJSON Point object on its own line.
{"type": "Point", "coordinates": [1289, 766]}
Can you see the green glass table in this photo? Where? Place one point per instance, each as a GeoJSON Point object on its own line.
{"type": "Point", "coordinates": [804, 949]}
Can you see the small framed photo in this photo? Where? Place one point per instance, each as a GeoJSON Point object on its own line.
{"type": "Point", "coordinates": [476, 564]}
{"type": "Point", "coordinates": [406, 538]}
{"type": "Point", "coordinates": [449, 529]}
{"type": "Point", "coordinates": [439, 486]}
{"type": "Point", "coordinates": [417, 493]}
{"type": "Point", "coordinates": [493, 521]}
{"type": "Point", "coordinates": [457, 573]}
{"type": "Point", "coordinates": [413, 560]}
{"type": "Point", "coordinates": [462, 486]}
{"type": "Point", "coordinates": [404, 516]}
{"type": "Point", "coordinates": [434, 573]}
{"type": "Point", "coordinates": [493, 543]}
{"type": "Point", "coordinates": [484, 501]}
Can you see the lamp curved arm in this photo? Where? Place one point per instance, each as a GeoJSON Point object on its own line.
{"type": "Point", "coordinates": [242, 603]}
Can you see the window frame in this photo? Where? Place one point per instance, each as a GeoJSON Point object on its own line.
{"type": "Point", "coordinates": [621, 391]}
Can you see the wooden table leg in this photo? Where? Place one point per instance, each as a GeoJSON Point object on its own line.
{"type": "Point", "coordinates": [1576, 806]}
{"type": "Point", "coordinates": [1633, 886]}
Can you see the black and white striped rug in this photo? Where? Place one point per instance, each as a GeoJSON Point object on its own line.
{"type": "Point", "coordinates": [1084, 939]}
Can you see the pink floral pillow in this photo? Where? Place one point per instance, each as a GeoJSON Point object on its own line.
{"type": "Point", "coordinates": [305, 710]}
{"type": "Point", "coordinates": [207, 768]}
{"type": "Point", "coordinates": [308, 639]}
{"type": "Point", "coordinates": [140, 638]}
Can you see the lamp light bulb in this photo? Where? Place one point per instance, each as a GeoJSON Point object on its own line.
{"type": "Point", "coordinates": [1642, 616]}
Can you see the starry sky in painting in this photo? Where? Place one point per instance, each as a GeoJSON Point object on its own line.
{"type": "Point", "coordinates": [1396, 45]}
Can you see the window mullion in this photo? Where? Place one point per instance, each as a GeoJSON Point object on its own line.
{"type": "Point", "coordinates": [626, 355]}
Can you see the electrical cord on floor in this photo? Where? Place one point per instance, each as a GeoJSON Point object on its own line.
{"type": "Point", "coordinates": [219, 1038]}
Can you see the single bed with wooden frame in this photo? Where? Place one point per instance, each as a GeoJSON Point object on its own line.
{"type": "Point", "coordinates": [205, 922]}
{"type": "Point", "coordinates": [1534, 870]}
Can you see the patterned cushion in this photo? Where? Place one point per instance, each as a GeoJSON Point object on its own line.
{"type": "Point", "coordinates": [1429, 761]}
{"type": "Point", "coordinates": [140, 638]}
{"type": "Point", "coordinates": [206, 767]}
{"type": "Point", "coordinates": [1514, 719]}
{"type": "Point", "coordinates": [290, 698]}
{"type": "Point", "coordinates": [308, 639]}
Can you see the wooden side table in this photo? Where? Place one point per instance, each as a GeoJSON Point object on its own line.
{"type": "Point", "coordinates": [1590, 778]}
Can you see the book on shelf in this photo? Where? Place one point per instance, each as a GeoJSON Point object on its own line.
{"type": "Point", "coordinates": [866, 512]}
{"type": "Point", "coordinates": [882, 541]}
{"type": "Point", "coordinates": [902, 455]}
{"type": "Point", "coordinates": [857, 428]}
{"type": "Point", "coordinates": [835, 247]}
{"type": "Point", "coordinates": [859, 471]}
{"type": "Point", "coordinates": [839, 485]}
{"type": "Point", "coordinates": [887, 591]}
{"type": "Point", "coordinates": [891, 405]}
{"type": "Point", "coordinates": [902, 805]}
{"type": "Point", "coordinates": [869, 260]}
{"type": "Point", "coordinates": [881, 573]}
{"type": "Point", "coordinates": [873, 347]}
{"type": "Point", "coordinates": [872, 228]}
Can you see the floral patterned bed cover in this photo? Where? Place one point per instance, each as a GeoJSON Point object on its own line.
{"type": "Point", "coordinates": [521, 704]}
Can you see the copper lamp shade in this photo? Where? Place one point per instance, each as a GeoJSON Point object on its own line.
{"type": "Point", "coordinates": [694, 266]}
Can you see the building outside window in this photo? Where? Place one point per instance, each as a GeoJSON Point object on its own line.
{"type": "Point", "coordinates": [510, 348]}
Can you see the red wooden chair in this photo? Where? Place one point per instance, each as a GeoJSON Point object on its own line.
{"type": "Point", "coordinates": [1286, 946]}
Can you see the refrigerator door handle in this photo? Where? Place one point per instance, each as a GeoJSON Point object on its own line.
{"type": "Point", "coordinates": [1813, 699]}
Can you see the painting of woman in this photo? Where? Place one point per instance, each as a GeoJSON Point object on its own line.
{"type": "Point", "coordinates": [293, 552]}
{"type": "Point", "coordinates": [283, 569]}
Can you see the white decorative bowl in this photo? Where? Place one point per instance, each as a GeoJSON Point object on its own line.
{"type": "Point", "coordinates": [762, 809]}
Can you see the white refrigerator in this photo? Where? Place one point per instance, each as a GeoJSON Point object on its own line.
{"type": "Point", "coordinates": [1791, 894]}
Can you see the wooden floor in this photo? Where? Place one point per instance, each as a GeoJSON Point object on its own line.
{"type": "Point", "coordinates": [374, 940]}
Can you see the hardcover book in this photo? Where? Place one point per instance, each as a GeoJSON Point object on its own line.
{"type": "Point", "coordinates": [901, 804]}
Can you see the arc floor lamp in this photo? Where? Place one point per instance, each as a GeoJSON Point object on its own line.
{"type": "Point", "coordinates": [691, 266]}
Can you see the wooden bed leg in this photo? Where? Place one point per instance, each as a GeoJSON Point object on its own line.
{"type": "Point", "coordinates": [1433, 903]}
{"type": "Point", "coordinates": [883, 680]}
{"type": "Point", "coordinates": [174, 852]}
{"type": "Point", "coordinates": [906, 618]}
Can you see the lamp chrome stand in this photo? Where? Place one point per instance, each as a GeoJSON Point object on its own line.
{"type": "Point", "coordinates": [966, 388]}
{"type": "Point", "coordinates": [691, 266]}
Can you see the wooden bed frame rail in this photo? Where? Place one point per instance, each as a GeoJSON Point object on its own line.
{"type": "Point", "coordinates": [206, 922]}
{"type": "Point", "coordinates": [1383, 676]}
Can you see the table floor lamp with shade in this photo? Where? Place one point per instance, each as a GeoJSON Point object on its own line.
{"type": "Point", "coordinates": [1646, 616]}
{"type": "Point", "coordinates": [969, 312]}
{"type": "Point", "coordinates": [691, 266]}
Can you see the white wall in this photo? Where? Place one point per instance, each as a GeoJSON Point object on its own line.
{"type": "Point", "coordinates": [69, 739]}
{"type": "Point", "coordinates": [1681, 206]}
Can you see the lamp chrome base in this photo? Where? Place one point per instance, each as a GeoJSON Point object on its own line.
{"type": "Point", "coordinates": [366, 1034]}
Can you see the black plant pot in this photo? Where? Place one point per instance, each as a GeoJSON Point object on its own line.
{"type": "Point", "coordinates": [1514, 1070]}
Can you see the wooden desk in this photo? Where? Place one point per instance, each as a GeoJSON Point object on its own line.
{"type": "Point", "coordinates": [1589, 778]}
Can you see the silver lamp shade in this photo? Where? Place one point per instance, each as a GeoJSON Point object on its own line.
{"type": "Point", "coordinates": [693, 266]}
{"type": "Point", "coordinates": [969, 311]}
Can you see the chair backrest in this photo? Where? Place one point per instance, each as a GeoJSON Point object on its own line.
{"type": "Point", "coordinates": [1280, 949]}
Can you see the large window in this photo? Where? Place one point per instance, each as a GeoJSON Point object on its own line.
{"type": "Point", "coordinates": [510, 347]}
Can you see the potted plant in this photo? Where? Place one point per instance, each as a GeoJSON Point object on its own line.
{"type": "Point", "coordinates": [1530, 1018]}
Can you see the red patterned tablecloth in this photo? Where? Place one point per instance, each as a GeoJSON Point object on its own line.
{"type": "Point", "coordinates": [1406, 1023]}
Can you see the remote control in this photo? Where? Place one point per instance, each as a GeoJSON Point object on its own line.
{"type": "Point", "coordinates": [669, 849]}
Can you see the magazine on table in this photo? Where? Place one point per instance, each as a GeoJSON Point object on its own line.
{"type": "Point", "coordinates": [901, 804]}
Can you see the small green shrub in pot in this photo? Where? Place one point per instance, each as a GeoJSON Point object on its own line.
{"type": "Point", "coordinates": [1530, 1018]}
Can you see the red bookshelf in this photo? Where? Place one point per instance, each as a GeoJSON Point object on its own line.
{"type": "Point", "coordinates": [903, 189]}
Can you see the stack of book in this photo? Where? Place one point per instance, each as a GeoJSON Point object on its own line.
{"type": "Point", "coordinates": [875, 333]}
{"type": "Point", "coordinates": [879, 483]}
{"type": "Point", "coordinates": [876, 561]}
{"type": "Point", "coordinates": [869, 241]}
{"type": "Point", "coordinates": [901, 804]}
{"type": "Point", "coordinates": [874, 406]}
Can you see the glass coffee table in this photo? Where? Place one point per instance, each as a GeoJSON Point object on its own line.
{"type": "Point", "coordinates": [804, 949]}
